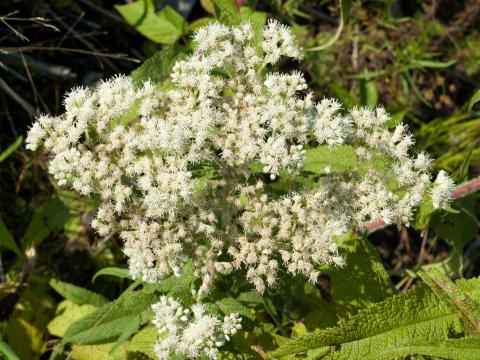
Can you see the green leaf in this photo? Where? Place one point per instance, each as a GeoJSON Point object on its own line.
{"type": "Point", "coordinates": [258, 20]}
{"type": "Point", "coordinates": [164, 27]}
{"type": "Point", "coordinates": [472, 106]}
{"type": "Point", "coordinates": [231, 305]}
{"type": "Point", "coordinates": [323, 159]}
{"type": "Point", "coordinates": [457, 228]}
{"type": "Point", "coordinates": [460, 175]}
{"type": "Point", "coordinates": [369, 94]}
{"type": "Point", "coordinates": [11, 149]}
{"type": "Point", "coordinates": [207, 6]}
{"type": "Point", "coordinates": [451, 295]}
{"type": "Point", "coordinates": [345, 6]}
{"type": "Point", "coordinates": [454, 349]}
{"type": "Point", "coordinates": [25, 338]}
{"type": "Point", "coordinates": [143, 341]}
{"type": "Point", "coordinates": [97, 352]}
{"type": "Point", "coordinates": [362, 281]}
{"type": "Point", "coordinates": [178, 286]}
{"type": "Point", "coordinates": [112, 271]}
{"type": "Point", "coordinates": [450, 266]}
{"type": "Point", "coordinates": [112, 320]}
{"type": "Point", "coordinates": [76, 294]}
{"type": "Point", "coordinates": [382, 328]}
{"type": "Point", "coordinates": [396, 118]}
{"type": "Point", "coordinates": [50, 216]}
{"type": "Point", "coordinates": [424, 213]}
{"type": "Point", "coordinates": [227, 12]}
{"type": "Point", "coordinates": [6, 239]}
{"type": "Point", "coordinates": [7, 351]}
{"type": "Point", "coordinates": [66, 314]}
{"type": "Point", "coordinates": [432, 64]}
{"type": "Point", "coordinates": [158, 67]}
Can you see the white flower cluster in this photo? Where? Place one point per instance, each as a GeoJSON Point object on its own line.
{"type": "Point", "coordinates": [190, 332]}
{"type": "Point", "coordinates": [193, 176]}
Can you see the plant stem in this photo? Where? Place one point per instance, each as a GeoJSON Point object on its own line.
{"type": "Point", "coordinates": [2, 274]}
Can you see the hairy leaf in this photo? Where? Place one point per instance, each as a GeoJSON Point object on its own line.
{"type": "Point", "coordinates": [417, 314]}
{"type": "Point", "coordinates": [77, 294]}
{"type": "Point", "coordinates": [362, 281]}
{"type": "Point", "coordinates": [227, 12]}
{"type": "Point", "coordinates": [67, 313]}
{"type": "Point", "coordinates": [157, 68]}
{"type": "Point", "coordinates": [112, 320]}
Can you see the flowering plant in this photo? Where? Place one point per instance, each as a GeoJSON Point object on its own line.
{"type": "Point", "coordinates": [236, 168]}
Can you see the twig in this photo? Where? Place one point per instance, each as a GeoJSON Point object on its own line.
{"type": "Point", "coordinates": [422, 246]}
{"type": "Point", "coordinates": [72, 50]}
{"type": "Point", "coordinates": [56, 71]}
{"type": "Point", "coordinates": [38, 20]}
{"type": "Point", "coordinates": [2, 274]}
{"type": "Point", "coordinates": [34, 88]}
{"type": "Point", "coordinates": [71, 29]}
{"type": "Point", "coordinates": [20, 100]}
{"type": "Point", "coordinates": [85, 42]}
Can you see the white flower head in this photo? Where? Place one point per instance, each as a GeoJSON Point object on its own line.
{"type": "Point", "coordinates": [190, 332]}
{"type": "Point", "coordinates": [442, 189]}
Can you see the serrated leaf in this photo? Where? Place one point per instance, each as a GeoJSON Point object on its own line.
{"type": "Point", "coordinates": [158, 67]}
{"type": "Point", "coordinates": [250, 297]}
{"type": "Point", "coordinates": [163, 27]}
{"type": "Point", "coordinates": [77, 294]}
{"type": "Point", "coordinates": [362, 281]}
{"type": "Point", "coordinates": [231, 305]}
{"type": "Point", "coordinates": [417, 314]}
{"type": "Point", "coordinates": [6, 239]}
{"type": "Point", "coordinates": [66, 314]}
{"type": "Point", "coordinates": [112, 271]}
{"type": "Point", "coordinates": [455, 297]}
{"type": "Point", "coordinates": [227, 12]}
{"type": "Point", "coordinates": [178, 286]}
{"type": "Point", "coordinates": [112, 320]}
{"type": "Point", "coordinates": [11, 149]}
{"type": "Point", "coordinates": [50, 216]}
{"type": "Point", "coordinates": [453, 349]}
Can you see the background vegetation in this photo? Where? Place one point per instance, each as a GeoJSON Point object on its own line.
{"type": "Point", "coordinates": [420, 59]}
